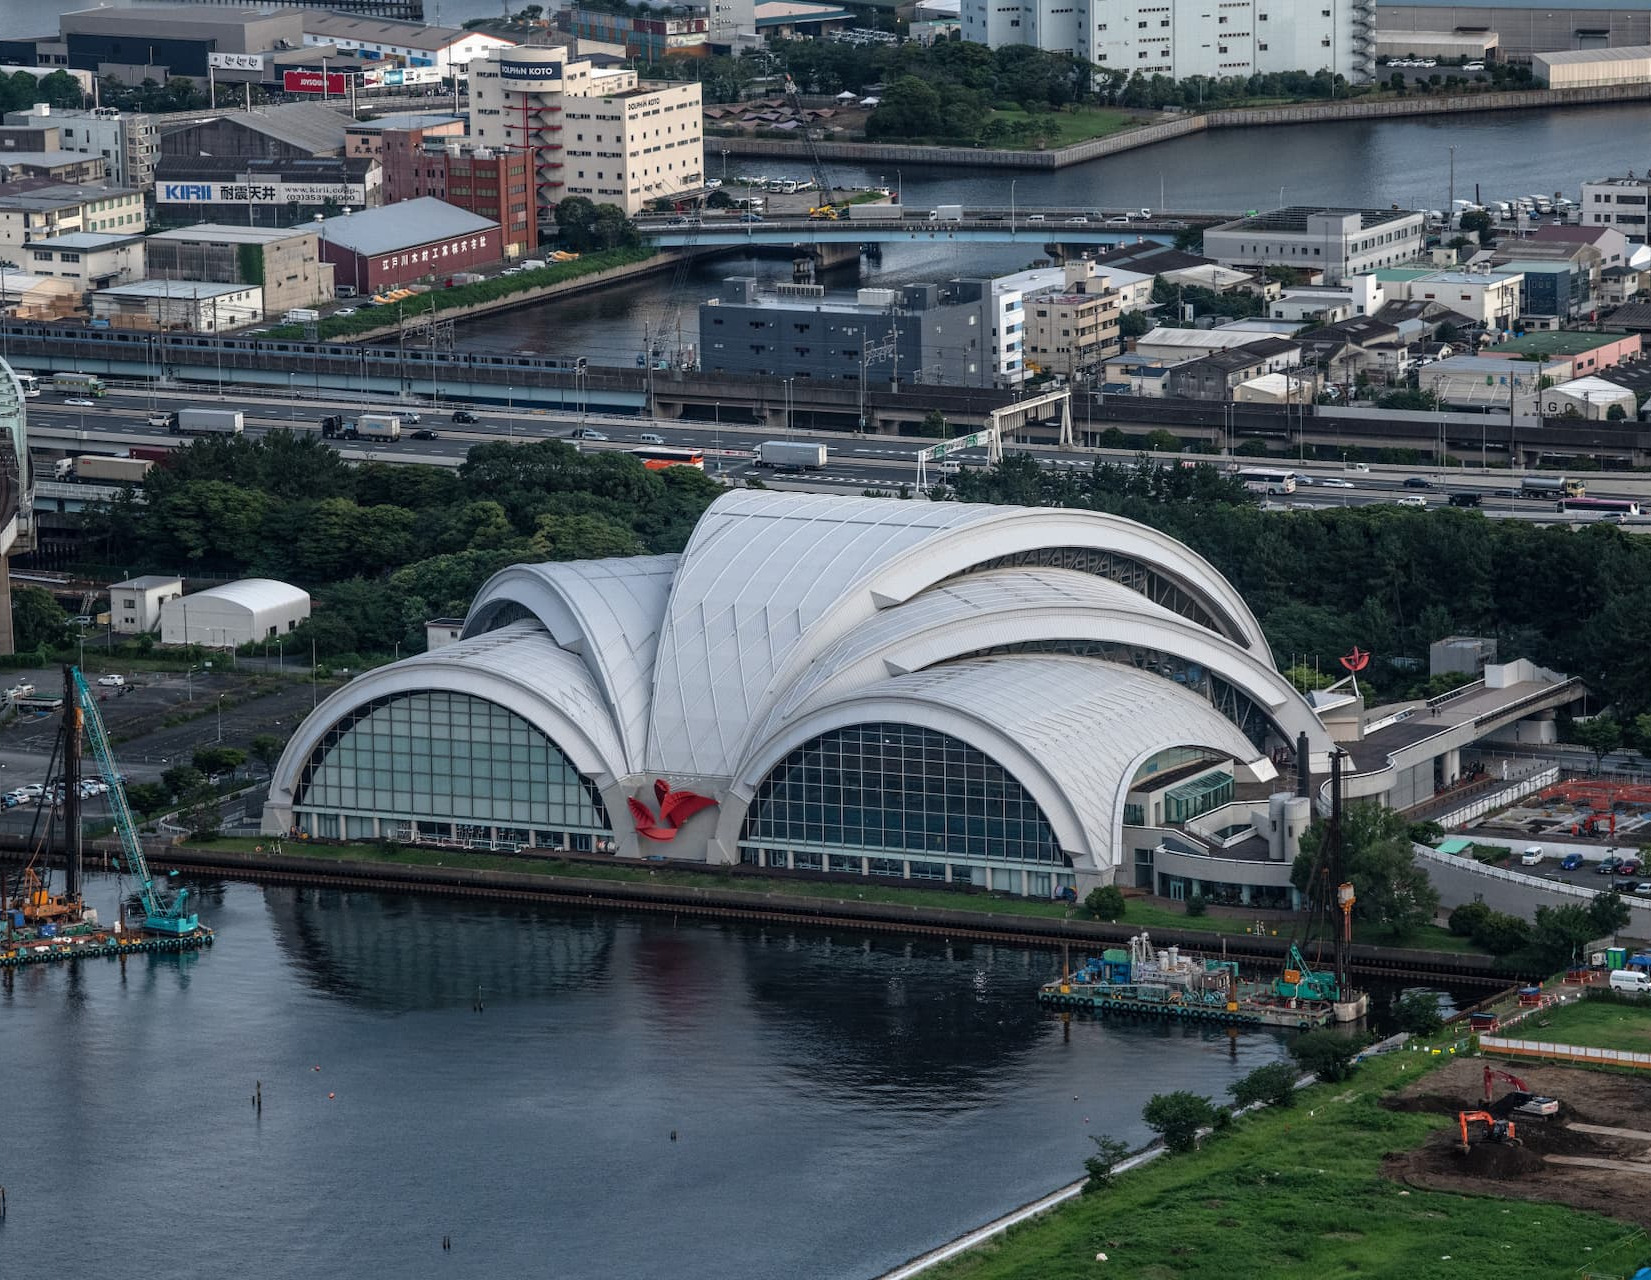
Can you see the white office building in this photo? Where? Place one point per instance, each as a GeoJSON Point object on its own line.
{"type": "Point", "coordinates": [128, 141]}
{"type": "Point", "coordinates": [1336, 242]}
{"type": "Point", "coordinates": [593, 132]}
{"type": "Point", "coordinates": [135, 605]}
{"type": "Point", "coordinates": [1618, 202]}
{"type": "Point", "coordinates": [1182, 38]}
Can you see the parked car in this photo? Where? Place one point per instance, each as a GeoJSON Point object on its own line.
{"type": "Point", "coordinates": [81, 620]}
{"type": "Point", "coordinates": [463, 415]}
{"type": "Point", "coordinates": [1532, 857]}
{"type": "Point", "coordinates": [1628, 867]}
{"type": "Point", "coordinates": [1570, 862]}
{"type": "Point", "coordinates": [111, 681]}
{"type": "Point", "coordinates": [1643, 888]}
{"type": "Point", "coordinates": [344, 311]}
{"type": "Point", "coordinates": [1607, 866]}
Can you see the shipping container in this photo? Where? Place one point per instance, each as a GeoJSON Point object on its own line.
{"type": "Point", "coordinates": [791, 455]}
{"type": "Point", "coordinates": [210, 422]}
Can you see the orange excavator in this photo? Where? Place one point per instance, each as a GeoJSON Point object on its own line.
{"type": "Point", "coordinates": [1492, 1075]}
{"type": "Point", "coordinates": [1495, 1130]}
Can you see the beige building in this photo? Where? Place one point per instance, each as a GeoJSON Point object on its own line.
{"type": "Point", "coordinates": [1073, 328]}
{"type": "Point", "coordinates": [285, 261]}
{"type": "Point", "coordinates": [595, 133]}
{"type": "Point", "coordinates": [39, 211]}
{"type": "Point", "coordinates": [89, 259]}
{"type": "Point", "coordinates": [189, 306]}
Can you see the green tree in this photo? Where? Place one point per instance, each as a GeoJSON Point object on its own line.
{"type": "Point", "coordinates": [1273, 1084]}
{"type": "Point", "coordinates": [1478, 222]}
{"type": "Point", "coordinates": [147, 798]}
{"type": "Point", "coordinates": [266, 749]}
{"type": "Point", "coordinates": [1327, 1054]}
{"type": "Point", "coordinates": [583, 538]}
{"type": "Point", "coordinates": [219, 759]}
{"type": "Point", "coordinates": [934, 424]}
{"type": "Point", "coordinates": [182, 780]}
{"type": "Point", "coordinates": [1161, 441]}
{"type": "Point", "coordinates": [1609, 914]}
{"type": "Point", "coordinates": [1177, 1117]}
{"type": "Point", "coordinates": [1108, 1152]}
{"type": "Point", "coordinates": [1391, 890]}
{"type": "Point", "coordinates": [1466, 920]}
{"type": "Point", "coordinates": [1106, 902]}
{"type": "Point", "coordinates": [1197, 905]}
{"type": "Point", "coordinates": [201, 814]}
{"type": "Point", "coordinates": [1418, 1013]}
{"type": "Point", "coordinates": [38, 620]}
{"type": "Point", "coordinates": [1601, 734]}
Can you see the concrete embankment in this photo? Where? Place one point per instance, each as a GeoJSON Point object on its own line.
{"type": "Point", "coordinates": [884, 153]}
{"type": "Point", "coordinates": [759, 899]}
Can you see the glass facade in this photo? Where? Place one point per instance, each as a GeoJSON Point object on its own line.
{"type": "Point", "coordinates": [448, 763]}
{"type": "Point", "coordinates": [1191, 799]}
{"type": "Point", "coordinates": [896, 787]}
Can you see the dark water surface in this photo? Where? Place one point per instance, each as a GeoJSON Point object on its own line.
{"type": "Point", "coordinates": [842, 1101]}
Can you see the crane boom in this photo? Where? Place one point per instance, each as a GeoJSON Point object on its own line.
{"type": "Point", "coordinates": [163, 912]}
{"type": "Point", "coordinates": [822, 179]}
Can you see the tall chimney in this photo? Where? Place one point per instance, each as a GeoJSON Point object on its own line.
{"type": "Point", "coordinates": [1303, 780]}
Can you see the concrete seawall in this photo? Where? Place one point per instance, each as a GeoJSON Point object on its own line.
{"type": "Point", "coordinates": [888, 153]}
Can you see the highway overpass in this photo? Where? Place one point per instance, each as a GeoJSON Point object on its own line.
{"type": "Point", "coordinates": [1031, 227]}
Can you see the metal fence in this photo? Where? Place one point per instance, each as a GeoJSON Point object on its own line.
{"type": "Point", "coordinates": [1499, 799]}
{"type": "Point", "coordinates": [1566, 1052]}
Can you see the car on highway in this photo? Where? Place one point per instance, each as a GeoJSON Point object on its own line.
{"type": "Point", "coordinates": [1570, 862]}
{"type": "Point", "coordinates": [649, 437]}
{"type": "Point", "coordinates": [1079, 219]}
{"type": "Point", "coordinates": [1303, 479]}
{"type": "Point", "coordinates": [463, 415]}
{"type": "Point", "coordinates": [1333, 482]}
{"type": "Point", "coordinates": [1112, 222]}
{"type": "Point", "coordinates": [1417, 482]}
{"type": "Point", "coordinates": [80, 403]}
{"type": "Point", "coordinates": [586, 433]}
{"type": "Point", "coordinates": [111, 681]}
{"type": "Point", "coordinates": [1413, 500]}
{"type": "Point", "coordinates": [1465, 499]}
{"type": "Point", "coordinates": [424, 433]}
{"type": "Point", "coordinates": [407, 417]}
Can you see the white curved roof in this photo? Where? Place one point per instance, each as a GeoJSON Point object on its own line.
{"type": "Point", "coordinates": [772, 580]}
{"type": "Point", "coordinates": [1072, 731]}
{"type": "Point", "coordinates": [518, 667]}
{"type": "Point", "coordinates": [608, 612]}
{"type": "Point", "coordinates": [257, 595]}
{"type": "Point", "coordinates": [1010, 606]}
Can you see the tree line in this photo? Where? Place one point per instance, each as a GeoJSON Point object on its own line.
{"type": "Point", "coordinates": [1386, 579]}
{"type": "Point", "coordinates": [382, 547]}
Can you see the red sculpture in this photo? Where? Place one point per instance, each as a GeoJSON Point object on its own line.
{"type": "Point", "coordinates": [1356, 661]}
{"type": "Point", "coordinates": [675, 808]}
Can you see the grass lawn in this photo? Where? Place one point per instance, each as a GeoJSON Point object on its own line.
{"type": "Point", "coordinates": [1140, 914]}
{"type": "Point", "coordinates": [1067, 127]}
{"type": "Point", "coordinates": [1298, 1195]}
{"type": "Point", "coordinates": [1595, 1024]}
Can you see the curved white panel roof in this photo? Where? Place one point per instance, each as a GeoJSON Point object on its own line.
{"type": "Point", "coordinates": [1072, 731]}
{"type": "Point", "coordinates": [1017, 606]}
{"type": "Point", "coordinates": [519, 667]}
{"type": "Point", "coordinates": [772, 580]}
{"type": "Point", "coordinates": [256, 595]}
{"type": "Point", "coordinates": [606, 611]}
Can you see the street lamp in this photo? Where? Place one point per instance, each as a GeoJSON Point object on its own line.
{"type": "Point", "coordinates": [509, 422]}
{"type": "Point", "coordinates": [292, 401]}
{"type": "Point", "coordinates": [787, 408]}
{"type": "Point", "coordinates": [1012, 182]}
{"type": "Point", "coordinates": [220, 717]}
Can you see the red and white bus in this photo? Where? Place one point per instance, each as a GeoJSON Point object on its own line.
{"type": "Point", "coordinates": [658, 457]}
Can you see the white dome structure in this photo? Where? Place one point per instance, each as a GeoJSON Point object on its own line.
{"type": "Point", "coordinates": [237, 613]}
{"type": "Point", "coordinates": [926, 690]}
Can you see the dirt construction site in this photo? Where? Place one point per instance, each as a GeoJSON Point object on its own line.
{"type": "Point", "coordinates": [1592, 1154]}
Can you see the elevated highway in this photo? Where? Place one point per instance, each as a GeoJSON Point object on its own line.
{"type": "Point", "coordinates": [1038, 227]}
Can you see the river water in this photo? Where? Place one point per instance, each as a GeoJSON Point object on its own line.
{"type": "Point", "coordinates": [841, 1101]}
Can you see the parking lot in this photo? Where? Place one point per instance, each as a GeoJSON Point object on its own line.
{"type": "Point", "coordinates": [155, 720]}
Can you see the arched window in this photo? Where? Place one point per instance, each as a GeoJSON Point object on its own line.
{"type": "Point", "coordinates": [447, 758]}
{"type": "Point", "coordinates": [898, 788]}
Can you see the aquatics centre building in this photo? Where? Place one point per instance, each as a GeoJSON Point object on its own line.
{"type": "Point", "coordinates": [1023, 699]}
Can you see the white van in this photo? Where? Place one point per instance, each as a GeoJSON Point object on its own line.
{"type": "Point", "coordinates": [1630, 980]}
{"type": "Point", "coordinates": [1532, 856]}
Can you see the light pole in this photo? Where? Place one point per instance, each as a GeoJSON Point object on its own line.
{"type": "Point", "coordinates": [788, 408]}
{"type": "Point", "coordinates": [509, 422]}
{"type": "Point", "coordinates": [292, 401]}
{"type": "Point", "coordinates": [1012, 182]}
{"type": "Point", "coordinates": [725, 166]}
{"type": "Point", "coordinates": [220, 717]}
{"type": "Point", "coordinates": [716, 434]}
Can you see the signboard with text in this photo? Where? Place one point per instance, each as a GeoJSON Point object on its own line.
{"type": "Point", "coordinates": [530, 70]}
{"type": "Point", "coordinates": [975, 440]}
{"type": "Point", "coordinates": [315, 82]}
{"type": "Point", "coordinates": [236, 61]}
{"type": "Point", "coordinates": [342, 193]}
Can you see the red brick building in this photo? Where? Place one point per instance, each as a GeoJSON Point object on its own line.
{"type": "Point", "coordinates": [419, 239]}
{"type": "Point", "coordinates": [496, 183]}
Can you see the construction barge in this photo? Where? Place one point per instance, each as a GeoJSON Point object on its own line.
{"type": "Point", "coordinates": [38, 926]}
{"type": "Point", "coordinates": [1174, 983]}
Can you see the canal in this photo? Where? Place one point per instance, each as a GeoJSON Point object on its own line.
{"type": "Point", "coordinates": [1360, 164]}
{"type": "Point", "coordinates": [840, 1101]}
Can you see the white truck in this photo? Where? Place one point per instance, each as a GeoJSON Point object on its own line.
{"type": "Point", "coordinates": [375, 426]}
{"type": "Point", "coordinates": [303, 315]}
{"type": "Point", "coordinates": [791, 455]}
{"type": "Point", "coordinates": [875, 212]}
{"type": "Point", "coordinates": [948, 213]}
{"type": "Point", "coordinates": [103, 469]}
{"type": "Point", "coordinates": [210, 422]}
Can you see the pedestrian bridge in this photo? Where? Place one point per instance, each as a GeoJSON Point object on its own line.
{"type": "Point", "coordinates": [1023, 228]}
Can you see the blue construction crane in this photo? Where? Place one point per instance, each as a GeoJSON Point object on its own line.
{"type": "Point", "coordinates": [163, 912]}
